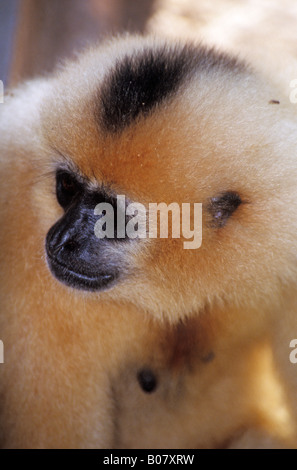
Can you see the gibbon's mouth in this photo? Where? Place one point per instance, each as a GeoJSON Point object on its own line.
{"type": "Point", "coordinates": [87, 281]}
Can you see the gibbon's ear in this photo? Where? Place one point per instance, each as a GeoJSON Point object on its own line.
{"type": "Point", "coordinates": [223, 206]}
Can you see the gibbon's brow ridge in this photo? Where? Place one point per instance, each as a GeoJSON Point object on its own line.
{"type": "Point", "coordinates": [141, 81]}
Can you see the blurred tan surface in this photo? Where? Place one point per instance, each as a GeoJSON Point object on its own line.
{"type": "Point", "coordinates": [262, 31]}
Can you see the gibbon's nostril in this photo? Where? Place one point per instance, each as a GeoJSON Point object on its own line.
{"type": "Point", "coordinates": [70, 246]}
{"type": "Point", "coordinates": [147, 380]}
{"type": "Point", "coordinates": [58, 243]}
{"type": "Point", "coordinates": [64, 248]}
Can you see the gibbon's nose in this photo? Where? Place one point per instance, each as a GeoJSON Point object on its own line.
{"type": "Point", "coordinates": [60, 240]}
{"type": "Point", "coordinates": [61, 245]}
{"type": "Point", "coordinates": [74, 254]}
{"type": "Point", "coordinates": [70, 235]}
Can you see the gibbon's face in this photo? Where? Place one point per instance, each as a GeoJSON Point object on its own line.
{"type": "Point", "coordinates": [161, 123]}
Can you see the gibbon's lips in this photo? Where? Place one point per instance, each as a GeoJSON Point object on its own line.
{"type": "Point", "coordinates": [84, 281]}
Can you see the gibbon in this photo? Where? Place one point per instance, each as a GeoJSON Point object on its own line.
{"type": "Point", "coordinates": [138, 342]}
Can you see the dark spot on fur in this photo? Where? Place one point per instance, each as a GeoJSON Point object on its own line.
{"type": "Point", "coordinates": [222, 207]}
{"type": "Point", "coordinates": [208, 357]}
{"type": "Point", "coordinates": [147, 380]}
{"type": "Point", "coordinates": [274, 102]}
{"type": "Point", "coordinates": [140, 82]}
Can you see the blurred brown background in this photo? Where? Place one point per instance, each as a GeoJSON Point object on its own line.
{"type": "Point", "coordinates": [34, 34]}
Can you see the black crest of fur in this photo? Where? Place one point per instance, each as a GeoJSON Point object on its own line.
{"type": "Point", "coordinates": [140, 82]}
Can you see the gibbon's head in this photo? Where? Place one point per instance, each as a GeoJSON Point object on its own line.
{"type": "Point", "coordinates": [156, 122]}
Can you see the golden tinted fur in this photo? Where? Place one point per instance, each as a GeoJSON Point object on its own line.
{"type": "Point", "coordinates": [213, 325]}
